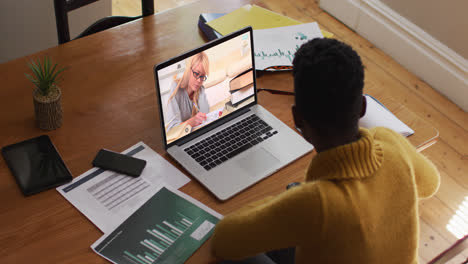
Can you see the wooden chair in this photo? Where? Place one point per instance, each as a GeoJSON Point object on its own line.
{"type": "Point", "coordinates": [444, 257]}
{"type": "Point", "coordinates": [62, 7]}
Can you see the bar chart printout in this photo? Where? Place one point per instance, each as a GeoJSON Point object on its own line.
{"type": "Point", "coordinates": [166, 229]}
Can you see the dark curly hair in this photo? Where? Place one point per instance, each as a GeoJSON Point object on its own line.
{"type": "Point", "coordinates": [328, 83]}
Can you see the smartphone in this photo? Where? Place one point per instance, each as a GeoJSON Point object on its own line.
{"type": "Point", "coordinates": [121, 163]}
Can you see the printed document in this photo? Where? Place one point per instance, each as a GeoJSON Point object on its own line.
{"type": "Point", "coordinates": [277, 46]}
{"type": "Point", "coordinates": [108, 198]}
{"type": "Point", "coordinates": [170, 227]}
{"type": "Point", "coordinates": [378, 115]}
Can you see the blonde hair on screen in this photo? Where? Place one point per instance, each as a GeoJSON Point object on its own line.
{"type": "Point", "coordinates": [192, 62]}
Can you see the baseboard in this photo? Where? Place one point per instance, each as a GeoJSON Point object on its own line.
{"type": "Point", "coordinates": [423, 55]}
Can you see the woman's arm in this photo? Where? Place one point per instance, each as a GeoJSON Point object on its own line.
{"type": "Point", "coordinates": [284, 221]}
{"type": "Point", "coordinates": [172, 115]}
{"type": "Point", "coordinates": [427, 176]}
{"type": "Point", "coordinates": [196, 119]}
{"type": "Point", "coordinates": [203, 105]}
{"type": "Point", "coordinates": [203, 108]}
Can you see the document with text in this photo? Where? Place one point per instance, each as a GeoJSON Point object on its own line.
{"type": "Point", "coordinates": [107, 198]}
{"type": "Point", "coordinates": [277, 46]}
{"type": "Point", "coordinates": [168, 228]}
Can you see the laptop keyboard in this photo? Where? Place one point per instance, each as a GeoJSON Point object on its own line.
{"type": "Point", "coordinates": [227, 143]}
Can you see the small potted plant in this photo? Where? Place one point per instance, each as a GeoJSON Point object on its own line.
{"type": "Point", "coordinates": [46, 95]}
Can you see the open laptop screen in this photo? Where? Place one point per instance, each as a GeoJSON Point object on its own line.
{"type": "Point", "coordinates": [205, 85]}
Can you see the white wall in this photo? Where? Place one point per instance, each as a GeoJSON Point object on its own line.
{"type": "Point", "coordinates": [431, 59]}
{"type": "Point", "coordinates": [447, 21]}
{"type": "Point", "coordinates": [28, 26]}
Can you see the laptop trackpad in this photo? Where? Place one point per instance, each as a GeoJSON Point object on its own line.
{"type": "Point", "coordinates": [256, 162]}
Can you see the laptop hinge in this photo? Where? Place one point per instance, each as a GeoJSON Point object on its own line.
{"type": "Point", "coordinates": [212, 126]}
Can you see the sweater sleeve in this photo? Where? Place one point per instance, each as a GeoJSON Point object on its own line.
{"type": "Point", "coordinates": [270, 224]}
{"type": "Point", "coordinates": [427, 176]}
{"type": "Point", "coordinates": [172, 115]}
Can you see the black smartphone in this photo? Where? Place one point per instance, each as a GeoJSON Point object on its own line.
{"type": "Point", "coordinates": [121, 163]}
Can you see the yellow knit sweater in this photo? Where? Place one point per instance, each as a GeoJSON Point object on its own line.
{"type": "Point", "coordinates": [358, 205]}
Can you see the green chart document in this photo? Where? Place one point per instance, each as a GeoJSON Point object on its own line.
{"type": "Point", "coordinates": [168, 228]}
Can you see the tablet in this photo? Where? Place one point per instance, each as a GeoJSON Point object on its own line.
{"type": "Point", "coordinates": [36, 165]}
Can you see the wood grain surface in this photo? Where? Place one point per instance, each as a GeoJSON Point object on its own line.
{"type": "Point", "coordinates": [109, 101]}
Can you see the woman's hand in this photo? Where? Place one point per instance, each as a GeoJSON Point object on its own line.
{"type": "Point", "coordinates": [197, 119]}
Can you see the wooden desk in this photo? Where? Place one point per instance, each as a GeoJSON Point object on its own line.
{"type": "Point", "coordinates": [109, 101]}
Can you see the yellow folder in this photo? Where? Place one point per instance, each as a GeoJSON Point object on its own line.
{"type": "Point", "coordinates": [255, 16]}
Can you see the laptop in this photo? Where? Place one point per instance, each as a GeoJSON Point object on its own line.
{"type": "Point", "coordinates": [236, 142]}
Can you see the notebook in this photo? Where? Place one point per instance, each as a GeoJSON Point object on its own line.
{"type": "Point", "coordinates": [242, 143]}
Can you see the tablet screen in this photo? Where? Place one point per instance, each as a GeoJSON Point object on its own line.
{"type": "Point", "coordinates": [36, 165]}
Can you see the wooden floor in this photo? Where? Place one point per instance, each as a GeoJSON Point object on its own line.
{"type": "Point", "coordinates": [450, 154]}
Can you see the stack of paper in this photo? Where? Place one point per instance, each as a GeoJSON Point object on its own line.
{"type": "Point", "coordinates": [168, 228]}
{"type": "Point", "coordinates": [277, 46]}
{"type": "Point", "coordinates": [145, 219]}
{"type": "Point", "coordinates": [377, 115]}
{"type": "Point", "coordinates": [108, 198]}
{"type": "Point", "coordinates": [276, 37]}
{"type": "Point", "coordinates": [255, 16]}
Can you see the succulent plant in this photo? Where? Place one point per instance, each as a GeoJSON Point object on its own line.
{"type": "Point", "coordinates": [45, 75]}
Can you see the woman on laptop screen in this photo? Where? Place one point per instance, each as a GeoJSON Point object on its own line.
{"type": "Point", "coordinates": [187, 102]}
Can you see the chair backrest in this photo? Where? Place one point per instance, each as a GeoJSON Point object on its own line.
{"type": "Point", "coordinates": [62, 7]}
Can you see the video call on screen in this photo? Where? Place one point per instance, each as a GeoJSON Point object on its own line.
{"type": "Point", "coordinates": [226, 86]}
